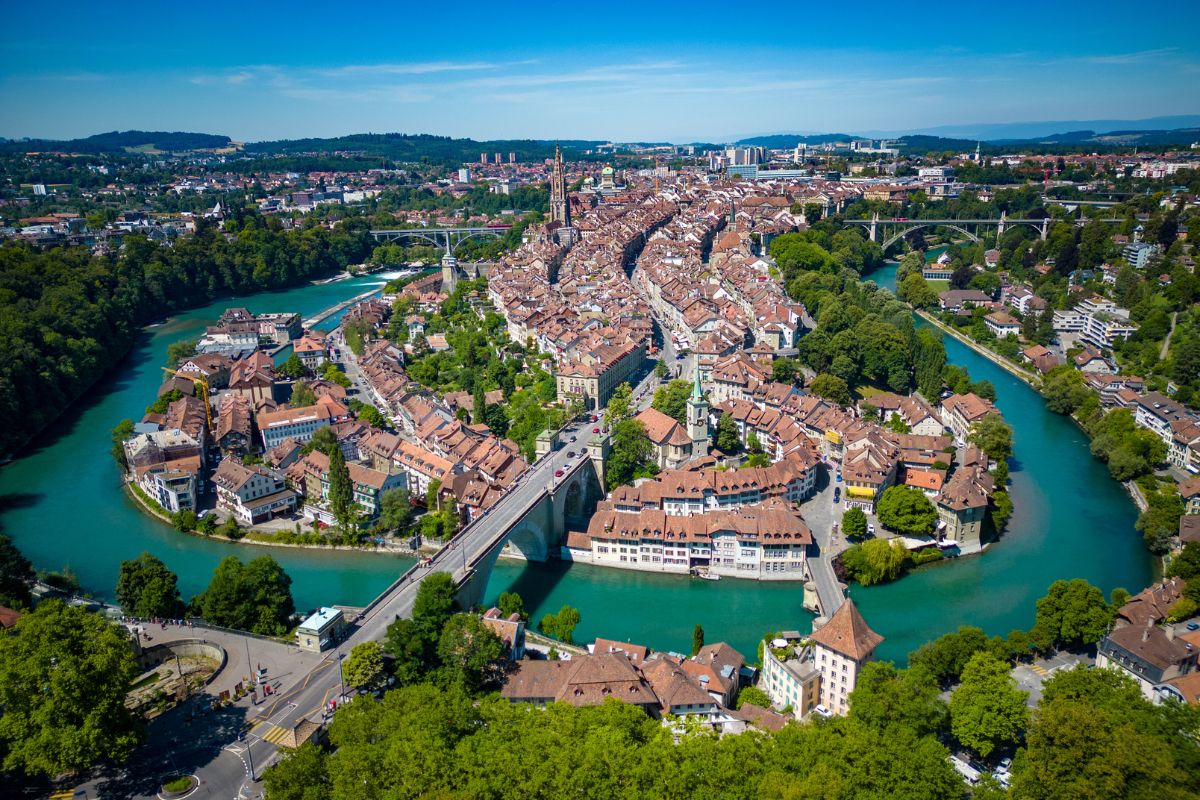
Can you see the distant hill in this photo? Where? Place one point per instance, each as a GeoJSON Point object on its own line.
{"type": "Point", "coordinates": [1041, 130]}
{"type": "Point", "coordinates": [122, 141]}
{"type": "Point", "coordinates": [783, 141]}
{"type": "Point", "coordinates": [419, 147]}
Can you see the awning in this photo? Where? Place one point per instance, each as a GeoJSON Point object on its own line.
{"type": "Point", "coordinates": [860, 491]}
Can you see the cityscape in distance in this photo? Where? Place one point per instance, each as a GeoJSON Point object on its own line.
{"type": "Point", "coordinates": [627, 402]}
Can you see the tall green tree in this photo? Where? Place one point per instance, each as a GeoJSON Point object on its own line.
{"type": "Point", "coordinates": [832, 388]}
{"type": "Point", "coordinates": [470, 652]}
{"type": "Point", "coordinates": [293, 367]}
{"type": "Point", "coordinates": [854, 524]}
{"type": "Point", "coordinates": [64, 673]}
{"type": "Point", "coordinates": [255, 596]}
{"type": "Point", "coordinates": [341, 490]}
{"type": "Point", "coordinates": [511, 603]}
{"type": "Point", "coordinates": [560, 625]}
{"type": "Point", "coordinates": [885, 697]}
{"type": "Point", "coordinates": [987, 710]}
{"type": "Point", "coordinates": [147, 588]}
{"type": "Point", "coordinates": [906, 510]}
{"type": "Point", "coordinates": [697, 639]}
{"type": "Point", "coordinates": [363, 668]}
{"type": "Point", "coordinates": [993, 436]}
{"type": "Point", "coordinates": [672, 399]}
{"type": "Point", "coordinates": [1072, 614]}
{"type": "Point", "coordinates": [727, 439]}
{"type": "Point", "coordinates": [620, 404]}
{"type": "Point", "coordinates": [302, 395]}
{"type": "Point", "coordinates": [16, 573]}
{"type": "Point", "coordinates": [123, 431]}
{"type": "Point", "coordinates": [630, 455]}
{"type": "Point", "coordinates": [395, 511]}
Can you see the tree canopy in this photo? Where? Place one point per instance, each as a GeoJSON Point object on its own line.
{"type": "Point", "coordinates": [987, 710]}
{"type": "Point", "coordinates": [906, 510]}
{"type": "Point", "coordinates": [64, 672]}
{"type": "Point", "coordinates": [255, 596]}
{"type": "Point", "coordinates": [147, 588]}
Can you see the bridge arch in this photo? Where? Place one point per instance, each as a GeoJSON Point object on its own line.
{"type": "Point", "coordinates": [895, 237]}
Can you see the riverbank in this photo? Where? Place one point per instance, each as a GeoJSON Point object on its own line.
{"type": "Point", "coordinates": [1029, 378]}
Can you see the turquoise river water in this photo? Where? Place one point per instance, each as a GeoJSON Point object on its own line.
{"type": "Point", "coordinates": [62, 503]}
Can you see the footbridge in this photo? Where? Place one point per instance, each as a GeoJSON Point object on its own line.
{"type": "Point", "coordinates": [447, 239]}
{"type": "Point", "coordinates": [893, 229]}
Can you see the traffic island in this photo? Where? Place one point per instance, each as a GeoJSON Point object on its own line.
{"type": "Point", "coordinates": [178, 786]}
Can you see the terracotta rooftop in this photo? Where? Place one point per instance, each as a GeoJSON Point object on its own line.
{"type": "Point", "coordinates": [847, 633]}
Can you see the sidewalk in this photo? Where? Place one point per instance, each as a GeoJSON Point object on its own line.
{"type": "Point", "coordinates": [284, 662]}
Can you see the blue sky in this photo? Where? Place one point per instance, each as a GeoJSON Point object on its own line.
{"type": "Point", "coordinates": [708, 72]}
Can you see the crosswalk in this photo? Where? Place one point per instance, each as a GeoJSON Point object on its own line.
{"type": "Point", "coordinates": [1040, 670]}
{"type": "Point", "coordinates": [273, 733]}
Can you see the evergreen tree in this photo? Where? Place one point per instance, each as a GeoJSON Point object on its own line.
{"type": "Point", "coordinates": [341, 492]}
{"type": "Point", "coordinates": [697, 638]}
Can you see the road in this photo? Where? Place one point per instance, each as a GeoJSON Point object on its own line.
{"type": "Point", "coordinates": [820, 514]}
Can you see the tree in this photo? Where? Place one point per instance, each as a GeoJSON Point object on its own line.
{"type": "Point", "coordinates": [753, 695]}
{"type": "Point", "coordinates": [302, 395]}
{"type": "Point", "coordinates": [64, 672]}
{"type": "Point", "coordinates": [906, 510]}
{"type": "Point", "coordinates": [293, 368]}
{"type": "Point", "coordinates": [916, 290]}
{"type": "Point", "coordinates": [180, 351]}
{"type": "Point", "coordinates": [470, 652]}
{"type": "Point", "coordinates": [727, 439]}
{"type": "Point", "coordinates": [395, 510]}
{"type": "Point", "coordinates": [560, 625]}
{"type": "Point", "coordinates": [301, 775]}
{"type": "Point", "coordinates": [1094, 736]}
{"type": "Point", "coordinates": [409, 648]}
{"type": "Point", "coordinates": [123, 431]}
{"type": "Point", "coordinates": [1072, 614]}
{"type": "Point", "coordinates": [431, 494]}
{"type": "Point", "coordinates": [435, 602]}
{"type": "Point", "coordinates": [987, 710]}
{"type": "Point", "coordinates": [947, 656]}
{"type": "Point", "coordinates": [511, 603]}
{"type": "Point", "coordinates": [631, 454]}
{"type": "Point", "coordinates": [363, 668]}
{"type": "Point", "coordinates": [323, 440]}
{"type": "Point", "coordinates": [146, 588]}
{"type": "Point", "coordinates": [832, 388]}
{"type": "Point", "coordinates": [697, 639]}
{"type": "Point", "coordinates": [854, 524]}
{"type": "Point", "coordinates": [992, 435]}
{"type": "Point", "coordinates": [1063, 389]}
{"type": "Point", "coordinates": [672, 399]}
{"type": "Point", "coordinates": [875, 561]}
{"type": "Point", "coordinates": [783, 370]}
{"type": "Point", "coordinates": [335, 375]}
{"type": "Point", "coordinates": [885, 697]}
{"type": "Point", "coordinates": [619, 405]}
{"type": "Point", "coordinates": [341, 490]}
{"type": "Point", "coordinates": [16, 573]}
{"type": "Point", "coordinates": [660, 369]}
{"type": "Point", "coordinates": [255, 597]}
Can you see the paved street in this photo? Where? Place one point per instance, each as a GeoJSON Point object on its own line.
{"type": "Point", "coordinates": [821, 513]}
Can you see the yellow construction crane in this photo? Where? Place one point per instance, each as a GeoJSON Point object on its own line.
{"type": "Point", "coordinates": [203, 384]}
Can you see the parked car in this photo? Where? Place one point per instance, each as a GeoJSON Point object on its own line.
{"type": "Point", "coordinates": [572, 438]}
{"type": "Point", "coordinates": [1193, 626]}
{"type": "Point", "coordinates": [558, 473]}
{"type": "Point", "coordinates": [838, 477]}
{"type": "Point", "coordinates": [870, 527]}
{"type": "Point", "coordinates": [570, 454]}
{"type": "Point", "coordinates": [595, 430]}
{"type": "Point", "coordinates": [823, 711]}
{"type": "Point", "coordinates": [837, 495]}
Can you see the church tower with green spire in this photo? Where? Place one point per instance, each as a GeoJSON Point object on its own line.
{"type": "Point", "coordinates": [697, 418]}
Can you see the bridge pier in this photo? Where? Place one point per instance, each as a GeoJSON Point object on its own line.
{"type": "Point", "coordinates": [874, 224]}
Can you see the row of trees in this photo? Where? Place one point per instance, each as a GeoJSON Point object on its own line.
{"type": "Point", "coordinates": [255, 596]}
{"type": "Point", "coordinates": [1091, 735]}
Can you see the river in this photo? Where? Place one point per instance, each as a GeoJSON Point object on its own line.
{"type": "Point", "coordinates": [63, 505]}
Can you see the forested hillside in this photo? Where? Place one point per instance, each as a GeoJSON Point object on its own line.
{"type": "Point", "coordinates": [67, 317]}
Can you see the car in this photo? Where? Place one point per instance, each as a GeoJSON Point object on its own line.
{"type": "Point", "coordinates": [837, 495]}
{"type": "Point", "coordinates": [595, 418]}
{"type": "Point", "coordinates": [572, 438]}
{"type": "Point", "coordinates": [823, 711]}
{"type": "Point", "coordinates": [839, 477]}
{"type": "Point", "coordinates": [1005, 764]}
{"type": "Point", "coordinates": [570, 454]}
{"type": "Point", "coordinates": [870, 527]}
{"type": "Point", "coordinates": [558, 473]}
{"type": "Point", "coordinates": [1193, 626]}
{"type": "Point", "coordinates": [595, 430]}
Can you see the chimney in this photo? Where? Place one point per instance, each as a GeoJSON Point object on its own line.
{"type": "Point", "coordinates": [1146, 634]}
